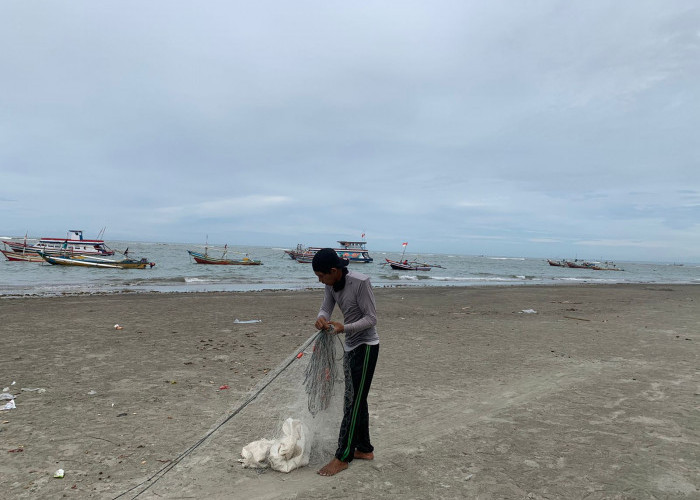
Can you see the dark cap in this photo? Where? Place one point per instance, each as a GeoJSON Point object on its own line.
{"type": "Point", "coordinates": [326, 259]}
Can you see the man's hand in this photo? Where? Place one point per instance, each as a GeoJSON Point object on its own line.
{"type": "Point", "coordinates": [322, 323]}
{"type": "Point", "coordinates": [337, 327]}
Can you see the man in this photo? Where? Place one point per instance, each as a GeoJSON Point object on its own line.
{"type": "Point", "coordinates": [352, 292]}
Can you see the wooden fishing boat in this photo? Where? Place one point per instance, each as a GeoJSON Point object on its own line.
{"type": "Point", "coordinates": [299, 250]}
{"type": "Point", "coordinates": [205, 258]}
{"type": "Point", "coordinates": [13, 256]}
{"type": "Point", "coordinates": [305, 257]}
{"type": "Point", "coordinates": [98, 262]}
{"type": "Point", "coordinates": [595, 266]}
{"type": "Point", "coordinates": [408, 266]}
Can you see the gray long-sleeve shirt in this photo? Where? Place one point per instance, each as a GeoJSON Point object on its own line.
{"type": "Point", "coordinates": [356, 302]}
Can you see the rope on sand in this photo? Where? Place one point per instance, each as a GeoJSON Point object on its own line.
{"type": "Point", "coordinates": [255, 392]}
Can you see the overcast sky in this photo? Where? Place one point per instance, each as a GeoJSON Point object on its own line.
{"type": "Point", "coordinates": [508, 128]}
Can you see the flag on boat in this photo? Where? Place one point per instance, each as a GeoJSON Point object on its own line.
{"type": "Point", "coordinates": [404, 244]}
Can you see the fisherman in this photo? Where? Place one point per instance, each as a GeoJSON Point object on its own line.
{"type": "Point", "coordinates": [352, 292]}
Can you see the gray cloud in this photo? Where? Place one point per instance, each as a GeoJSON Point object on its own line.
{"type": "Point", "coordinates": [499, 127]}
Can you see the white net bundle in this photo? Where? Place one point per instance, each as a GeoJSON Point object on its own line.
{"type": "Point", "coordinates": [300, 398]}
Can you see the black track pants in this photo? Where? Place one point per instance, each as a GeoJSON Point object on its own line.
{"type": "Point", "coordinates": [354, 430]}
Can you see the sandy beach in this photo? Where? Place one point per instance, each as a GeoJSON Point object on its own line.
{"type": "Point", "coordinates": [492, 393]}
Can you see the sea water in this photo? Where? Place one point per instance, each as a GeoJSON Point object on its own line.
{"type": "Point", "coordinates": [176, 271]}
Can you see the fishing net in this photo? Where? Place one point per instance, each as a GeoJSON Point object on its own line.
{"type": "Point", "coordinates": [320, 375]}
{"type": "Point", "coordinates": [296, 416]}
{"type": "Point", "coordinates": [294, 413]}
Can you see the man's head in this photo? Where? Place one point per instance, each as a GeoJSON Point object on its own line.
{"type": "Point", "coordinates": [329, 268]}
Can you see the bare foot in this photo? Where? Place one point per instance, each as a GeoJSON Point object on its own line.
{"type": "Point", "coordinates": [333, 467]}
{"type": "Point", "coordinates": [364, 456]}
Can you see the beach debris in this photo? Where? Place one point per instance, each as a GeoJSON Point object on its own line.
{"type": "Point", "coordinates": [579, 319]}
{"type": "Point", "coordinates": [247, 321]}
{"type": "Point", "coordinates": [528, 311]}
{"type": "Point", "coordinates": [223, 387]}
{"type": "Point", "coordinates": [118, 327]}
{"type": "Point", "coordinates": [122, 415]}
{"type": "Point", "coordinates": [40, 390]}
{"type": "Point", "coordinates": [92, 392]}
{"type": "Point", "coordinates": [16, 450]}
{"type": "Point", "coordinates": [59, 474]}
{"type": "Point", "coordinates": [9, 406]}
{"type": "Point", "coordinates": [6, 396]}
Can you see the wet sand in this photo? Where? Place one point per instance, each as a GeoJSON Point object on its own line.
{"type": "Point", "coordinates": [592, 393]}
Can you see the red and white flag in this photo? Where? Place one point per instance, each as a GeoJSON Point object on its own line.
{"type": "Point", "coordinates": [404, 244]}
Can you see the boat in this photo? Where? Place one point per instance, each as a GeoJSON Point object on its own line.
{"type": "Point", "coordinates": [557, 263]}
{"type": "Point", "coordinates": [99, 262]}
{"type": "Point", "coordinates": [353, 251]}
{"type": "Point", "coordinates": [73, 243]}
{"type": "Point", "coordinates": [408, 266]}
{"type": "Point", "coordinates": [595, 266]}
{"type": "Point", "coordinates": [609, 266]}
{"type": "Point", "coordinates": [205, 258]}
{"type": "Point", "coordinates": [299, 250]}
{"type": "Point", "coordinates": [24, 256]}
{"type": "Point", "coordinates": [305, 258]}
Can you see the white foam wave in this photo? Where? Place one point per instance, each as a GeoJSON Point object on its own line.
{"type": "Point", "coordinates": [465, 278]}
{"type": "Point", "coordinates": [199, 280]}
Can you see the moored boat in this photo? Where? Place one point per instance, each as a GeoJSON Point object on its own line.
{"type": "Point", "coordinates": [353, 251]}
{"type": "Point", "coordinates": [408, 266]}
{"type": "Point", "coordinates": [73, 243]}
{"type": "Point", "coordinates": [305, 257]}
{"type": "Point", "coordinates": [299, 250]}
{"type": "Point", "coordinates": [99, 262]}
{"type": "Point", "coordinates": [24, 256]}
{"type": "Point", "coordinates": [205, 258]}
{"type": "Point", "coordinates": [595, 266]}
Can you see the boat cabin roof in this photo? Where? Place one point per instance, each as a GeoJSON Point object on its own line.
{"type": "Point", "coordinates": [346, 243]}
